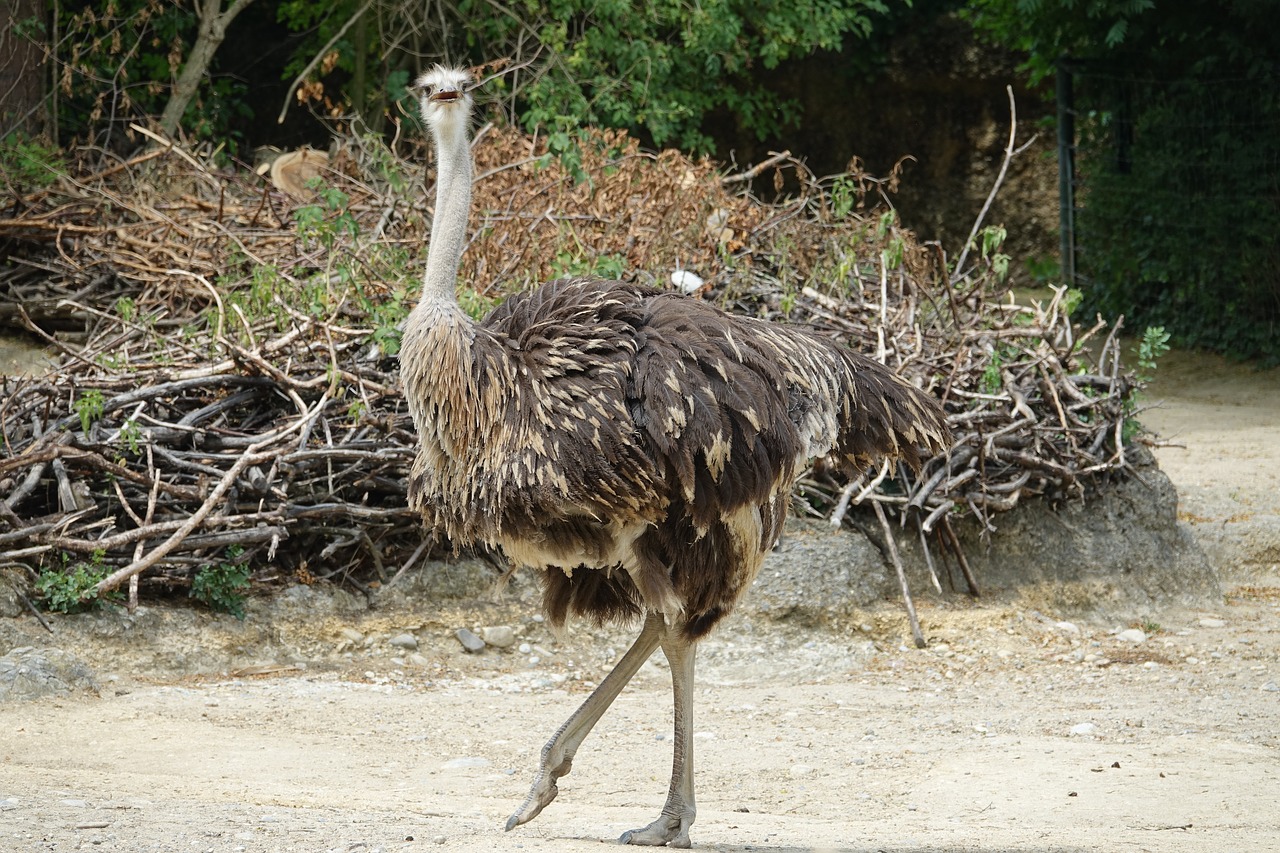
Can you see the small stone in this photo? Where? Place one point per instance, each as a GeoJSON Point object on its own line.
{"type": "Point", "coordinates": [1133, 635]}
{"type": "Point", "coordinates": [1213, 623]}
{"type": "Point", "coordinates": [798, 770]}
{"type": "Point", "coordinates": [525, 648]}
{"type": "Point", "coordinates": [439, 839]}
{"type": "Point", "coordinates": [418, 660]}
{"type": "Point", "coordinates": [351, 635]}
{"type": "Point", "coordinates": [1068, 628]}
{"type": "Point", "coordinates": [1082, 729]}
{"type": "Point", "coordinates": [470, 642]}
{"type": "Point", "coordinates": [502, 636]}
{"type": "Point", "coordinates": [404, 641]}
{"type": "Point", "coordinates": [1271, 687]}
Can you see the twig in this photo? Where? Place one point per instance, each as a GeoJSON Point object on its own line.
{"type": "Point", "coordinates": [892, 545]}
{"type": "Point", "coordinates": [755, 170]}
{"type": "Point", "coordinates": [1009, 153]}
{"type": "Point", "coordinates": [252, 456]}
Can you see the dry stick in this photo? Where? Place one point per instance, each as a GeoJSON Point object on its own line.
{"type": "Point", "coordinates": [755, 170]}
{"type": "Point", "coordinates": [320, 54]}
{"type": "Point", "coordinates": [842, 506]}
{"type": "Point", "coordinates": [1009, 154]}
{"type": "Point", "coordinates": [960, 558]}
{"type": "Point", "coordinates": [252, 456]}
{"type": "Point", "coordinates": [916, 633]}
{"type": "Point", "coordinates": [928, 559]}
{"type": "Point", "coordinates": [116, 578]}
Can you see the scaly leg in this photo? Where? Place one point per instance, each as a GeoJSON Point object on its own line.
{"type": "Point", "coordinates": [557, 755]}
{"type": "Point", "coordinates": [672, 826]}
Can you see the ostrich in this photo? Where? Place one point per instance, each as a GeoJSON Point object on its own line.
{"type": "Point", "coordinates": [638, 447]}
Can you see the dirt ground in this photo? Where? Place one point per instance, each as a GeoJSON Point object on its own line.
{"type": "Point", "coordinates": [327, 730]}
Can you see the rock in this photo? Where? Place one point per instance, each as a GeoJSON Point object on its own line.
{"type": "Point", "coordinates": [502, 636]}
{"type": "Point", "coordinates": [525, 649]}
{"type": "Point", "coordinates": [1119, 550]}
{"type": "Point", "coordinates": [798, 770]}
{"type": "Point", "coordinates": [1083, 729]}
{"type": "Point", "coordinates": [470, 642]}
{"type": "Point", "coordinates": [406, 641]}
{"type": "Point", "coordinates": [27, 673]}
{"type": "Point", "coordinates": [351, 635]}
{"type": "Point", "coordinates": [1132, 635]}
{"type": "Point", "coordinates": [817, 574]}
{"type": "Point", "coordinates": [1213, 623]}
{"type": "Point", "coordinates": [11, 591]}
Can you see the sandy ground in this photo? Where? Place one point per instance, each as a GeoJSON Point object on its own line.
{"type": "Point", "coordinates": [1014, 730]}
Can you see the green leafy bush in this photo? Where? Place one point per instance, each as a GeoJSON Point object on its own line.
{"type": "Point", "coordinates": [223, 587]}
{"type": "Point", "coordinates": [67, 589]}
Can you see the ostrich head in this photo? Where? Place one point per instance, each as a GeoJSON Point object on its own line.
{"type": "Point", "coordinates": [444, 97]}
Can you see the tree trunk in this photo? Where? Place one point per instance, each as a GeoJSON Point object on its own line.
{"type": "Point", "coordinates": [213, 29]}
{"type": "Point", "coordinates": [22, 68]}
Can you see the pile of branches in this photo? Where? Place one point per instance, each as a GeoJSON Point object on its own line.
{"type": "Point", "coordinates": [227, 380]}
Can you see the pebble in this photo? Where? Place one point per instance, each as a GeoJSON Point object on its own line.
{"type": "Point", "coordinates": [418, 660]}
{"type": "Point", "coordinates": [502, 636]}
{"type": "Point", "coordinates": [525, 648]}
{"type": "Point", "coordinates": [1080, 729]}
{"type": "Point", "coordinates": [404, 641]}
{"type": "Point", "coordinates": [798, 770]}
{"type": "Point", "coordinates": [1133, 635]}
{"type": "Point", "coordinates": [1068, 628]}
{"type": "Point", "coordinates": [351, 634]}
{"type": "Point", "coordinates": [1271, 687]}
{"type": "Point", "coordinates": [470, 642]}
{"type": "Point", "coordinates": [1213, 623]}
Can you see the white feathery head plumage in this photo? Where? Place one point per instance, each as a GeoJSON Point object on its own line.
{"type": "Point", "coordinates": [444, 95]}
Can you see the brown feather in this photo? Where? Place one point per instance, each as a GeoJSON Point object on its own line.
{"type": "Point", "coordinates": [639, 446]}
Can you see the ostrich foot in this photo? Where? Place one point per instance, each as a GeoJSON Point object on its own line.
{"type": "Point", "coordinates": [669, 830]}
{"type": "Point", "coordinates": [544, 790]}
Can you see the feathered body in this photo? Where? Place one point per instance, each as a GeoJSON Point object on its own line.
{"type": "Point", "coordinates": [638, 447]}
{"type": "Point", "coordinates": [648, 436]}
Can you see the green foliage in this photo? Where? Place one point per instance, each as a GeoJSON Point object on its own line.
{"type": "Point", "coordinates": [1154, 343]}
{"type": "Point", "coordinates": [27, 163]}
{"type": "Point", "coordinates": [570, 263]}
{"type": "Point", "coordinates": [1177, 110]}
{"type": "Point", "coordinates": [131, 433]}
{"type": "Point", "coordinates": [119, 58]}
{"type": "Point", "coordinates": [223, 587]}
{"type": "Point", "coordinates": [1181, 208]}
{"type": "Point", "coordinates": [658, 69]}
{"type": "Point", "coordinates": [369, 280]}
{"type": "Point", "coordinates": [992, 378]}
{"type": "Point", "coordinates": [89, 406]}
{"type": "Point", "coordinates": [67, 589]}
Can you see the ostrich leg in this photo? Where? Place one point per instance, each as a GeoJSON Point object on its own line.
{"type": "Point", "coordinates": [557, 755]}
{"type": "Point", "coordinates": [672, 826]}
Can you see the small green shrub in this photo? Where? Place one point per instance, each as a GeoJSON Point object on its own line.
{"type": "Point", "coordinates": [89, 406]}
{"type": "Point", "coordinates": [65, 589]}
{"type": "Point", "coordinates": [223, 587]}
{"type": "Point", "coordinates": [29, 163]}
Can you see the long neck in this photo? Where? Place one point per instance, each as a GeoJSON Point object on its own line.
{"type": "Point", "coordinates": [453, 205]}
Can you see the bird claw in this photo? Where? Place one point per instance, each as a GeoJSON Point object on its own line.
{"type": "Point", "coordinates": [667, 830]}
{"type": "Point", "coordinates": [541, 794]}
